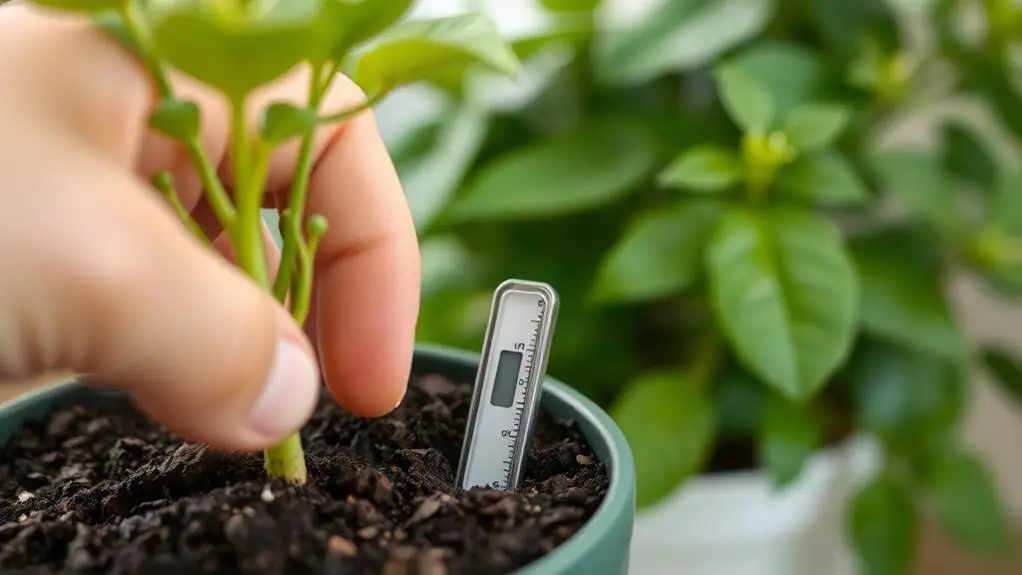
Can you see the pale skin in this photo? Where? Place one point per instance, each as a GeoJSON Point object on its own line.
{"type": "Point", "coordinates": [98, 275]}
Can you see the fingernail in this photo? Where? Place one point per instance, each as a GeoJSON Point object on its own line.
{"type": "Point", "coordinates": [290, 393]}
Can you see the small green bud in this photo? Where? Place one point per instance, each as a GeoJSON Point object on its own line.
{"type": "Point", "coordinates": [164, 182]}
{"type": "Point", "coordinates": [767, 151]}
{"type": "Point", "coordinates": [316, 227]}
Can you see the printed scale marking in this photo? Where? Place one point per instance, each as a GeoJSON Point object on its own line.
{"type": "Point", "coordinates": [508, 385]}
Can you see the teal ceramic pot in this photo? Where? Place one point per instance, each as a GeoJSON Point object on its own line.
{"type": "Point", "coordinates": [599, 548]}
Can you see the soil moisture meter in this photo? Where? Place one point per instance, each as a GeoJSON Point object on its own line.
{"type": "Point", "coordinates": [508, 385]}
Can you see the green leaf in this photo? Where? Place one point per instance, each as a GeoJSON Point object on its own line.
{"type": "Point", "coordinates": [903, 301]}
{"type": "Point", "coordinates": [883, 527]}
{"type": "Point", "coordinates": [282, 121]}
{"type": "Point", "coordinates": [677, 36]}
{"type": "Point", "coordinates": [792, 74]}
{"type": "Point", "coordinates": [788, 437]}
{"type": "Point", "coordinates": [967, 158]}
{"type": "Point", "coordinates": [571, 30]}
{"type": "Point", "coordinates": [824, 178]}
{"type": "Point", "coordinates": [813, 126]}
{"type": "Point", "coordinates": [91, 6]}
{"type": "Point", "coordinates": [1005, 369]}
{"type": "Point", "coordinates": [570, 5]}
{"type": "Point", "coordinates": [418, 49]}
{"type": "Point", "coordinates": [706, 168]}
{"type": "Point", "coordinates": [593, 166]}
{"type": "Point", "coordinates": [669, 424]}
{"type": "Point", "coordinates": [786, 294]}
{"type": "Point", "coordinates": [748, 104]}
{"type": "Point", "coordinates": [911, 401]}
{"type": "Point", "coordinates": [347, 23]}
{"type": "Point", "coordinates": [235, 53]}
{"type": "Point", "coordinates": [967, 504]}
{"type": "Point", "coordinates": [919, 181]}
{"type": "Point", "coordinates": [178, 119]}
{"type": "Point", "coordinates": [660, 253]}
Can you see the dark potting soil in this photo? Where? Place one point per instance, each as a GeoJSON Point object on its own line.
{"type": "Point", "coordinates": [104, 490]}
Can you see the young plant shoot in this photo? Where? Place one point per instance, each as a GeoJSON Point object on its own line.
{"type": "Point", "coordinates": [239, 46]}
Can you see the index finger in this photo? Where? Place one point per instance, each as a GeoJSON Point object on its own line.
{"type": "Point", "coordinates": [367, 265]}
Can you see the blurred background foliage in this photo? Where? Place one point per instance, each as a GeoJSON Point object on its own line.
{"type": "Point", "coordinates": [748, 272]}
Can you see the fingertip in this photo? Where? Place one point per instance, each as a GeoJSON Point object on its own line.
{"type": "Point", "coordinates": [366, 332]}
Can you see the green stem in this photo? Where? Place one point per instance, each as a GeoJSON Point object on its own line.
{"type": "Point", "coordinates": [247, 232]}
{"type": "Point", "coordinates": [294, 213]}
{"type": "Point", "coordinates": [285, 270]}
{"type": "Point", "coordinates": [287, 460]}
{"type": "Point", "coordinates": [301, 283]}
{"type": "Point", "coordinates": [165, 184]}
{"type": "Point", "coordinates": [214, 190]}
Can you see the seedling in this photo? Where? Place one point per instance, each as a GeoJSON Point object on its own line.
{"type": "Point", "coordinates": [239, 46]}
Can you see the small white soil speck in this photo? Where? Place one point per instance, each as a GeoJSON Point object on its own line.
{"type": "Point", "coordinates": [267, 495]}
{"type": "Point", "coordinates": [24, 496]}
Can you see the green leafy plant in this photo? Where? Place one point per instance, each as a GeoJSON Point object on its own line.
{"type": "Point", "coordinates": [751, 268]}
{"type": "Point", "coordinates": [239, 46]}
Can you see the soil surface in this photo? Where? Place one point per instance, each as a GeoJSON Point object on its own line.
{"type": "Point", "coordinates": [104, 490]}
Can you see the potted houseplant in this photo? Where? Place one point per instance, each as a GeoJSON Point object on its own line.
{"type": "Point", "coordinates": [754, 277]}
{"type": "Point", "coordinates": [90, 484]}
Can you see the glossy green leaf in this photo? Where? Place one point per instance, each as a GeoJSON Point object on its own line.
{"type": "Point", "coordinates": [668, 422]}
{"type": "Point", "coordinates": [883, 527]}
{"type": "Point", "coordinates": [903, 301]}
{"type": "Point", "coordinates": [968, 158]}
{"type": "Point", "coordinates": [747, 102]}
{"type": "Point", "coordinates": [787, 438]}
{"type": "Point", "coordinates": [908, 399]}
{"type": "Point", "coordinates": [919, 181]}
{"type": "Point", "coordinates": [178, 119]}
{"type": "Point", "coordinates": [813, 126]}
{"type": "Point", "coordinates": [415, 50]}
{"type": "Point", "coordinates": [235, 53]}
{"type": "Point", "coordinates": [566, 29]}
{"type": "Point", "coordinates": [595, 165]}
{"type": "Point", "coordinates": [706, 168]}
{"type": "Point", "coordinates": [659, 254]}
{"type": "Point", "coordinates": [791, 73]}
{"type": "Point", "coordinates": [1005, 369]}
{"type": "Point", "coordinates": [347, 23]}
{"type": "Point", "coordinates": [677, 36]}
{"type": "Point", "coordinates": [823, 178]}
{"type": "Point", "coordinates": [786, 295]}
{"type": "Point", "coordinates": [282, 121]}
{"type": "Point", "coordinates": [570, 5]}
{"type": "Point", "coordinates": [967, 504]}
{"type": "Point", "coordinates": [92, 6]}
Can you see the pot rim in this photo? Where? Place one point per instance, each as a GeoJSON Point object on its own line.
{"type": "Point", "coordinates": [618, 503]}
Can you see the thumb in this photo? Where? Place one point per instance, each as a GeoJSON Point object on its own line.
{"type": "Point", "coordinates": [120, 291]}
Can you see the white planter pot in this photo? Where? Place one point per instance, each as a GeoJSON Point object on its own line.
{"type": "Point", "coordinates": [736, 524]}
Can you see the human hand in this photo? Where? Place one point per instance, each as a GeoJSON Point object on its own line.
{"type": "Point", "coordinates": [98, 276]}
